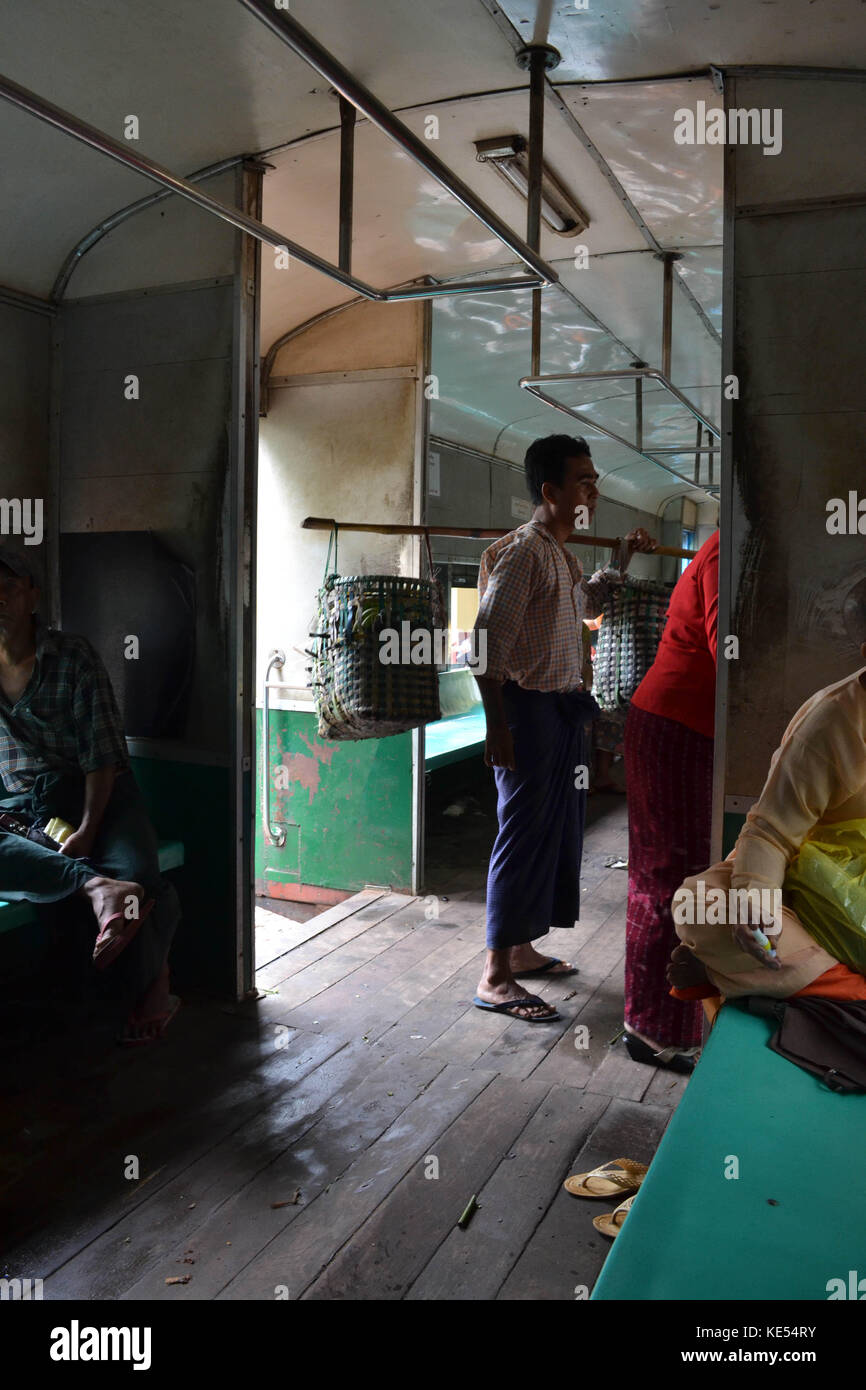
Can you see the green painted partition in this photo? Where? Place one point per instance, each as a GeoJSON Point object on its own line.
{"type": "Point", "coordinates": [346, 809]}
{"type": "Point", "coordinates": [191, 802]}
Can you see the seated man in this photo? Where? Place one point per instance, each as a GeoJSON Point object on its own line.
{"type": "Point", "coordinates": [817, 780]}
{"type": "Point", "coordinates": [62, 753]}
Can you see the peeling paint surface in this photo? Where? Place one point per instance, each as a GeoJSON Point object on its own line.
{"type": "Point", "coordinates": [351, 804]}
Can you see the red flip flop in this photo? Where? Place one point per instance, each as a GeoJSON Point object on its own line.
{"type": "Point", "coordinates": [109, 944]}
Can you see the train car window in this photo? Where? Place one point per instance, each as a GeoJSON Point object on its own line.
{"type": "Point", "coordinates": [687, 543]}
{"type": "Point", "coordinates": [463, 600]}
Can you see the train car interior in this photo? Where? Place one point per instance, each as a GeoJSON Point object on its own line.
{"type": "Point", "coordinates": [287, 291]}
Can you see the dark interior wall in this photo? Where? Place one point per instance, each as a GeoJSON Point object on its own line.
{"type": "Point", "coordinates": [798, 289]}
{"type": "Point", "coordinates": [160, 463]}
{"type": "Point", "coordinates": [156, 299]}
{"type": "Point", "coordinates": [152, 512]}
{"type": "Point", "coordinates": [25, 384]}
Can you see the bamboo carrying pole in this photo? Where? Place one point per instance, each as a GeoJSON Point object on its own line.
{"type": "Point", "coordinates": [478, 533]}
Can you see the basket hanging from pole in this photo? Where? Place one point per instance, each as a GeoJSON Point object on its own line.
{"type": "Point", "coordinates": [362, 623]}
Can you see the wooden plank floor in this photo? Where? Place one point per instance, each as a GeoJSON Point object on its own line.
{"type": "Point", "coordinates": [321, 1142]}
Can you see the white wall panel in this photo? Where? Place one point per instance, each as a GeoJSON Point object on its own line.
{"type": "Point", "coordinates": [346, 449]}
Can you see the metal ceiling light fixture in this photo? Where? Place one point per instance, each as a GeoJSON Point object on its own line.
{"type": "Point", "coordinates": [507, 154]}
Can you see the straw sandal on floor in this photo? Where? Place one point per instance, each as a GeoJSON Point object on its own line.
{"type": "Point", "coordinates": [611, 1223]}
{"type": "Point", "coordinates": [609, 1179]}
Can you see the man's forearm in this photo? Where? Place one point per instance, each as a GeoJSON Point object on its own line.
{"type": "Point", "coordinates": [98, 787]}
{"type": "Point", "coordinates": [491, 697]}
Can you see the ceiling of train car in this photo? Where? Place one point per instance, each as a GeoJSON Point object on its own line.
{"type": "Point", "coordinates": [481, 349]}
{"type": "Point", "coordinates": [208, 81]}
{"type": "Point", "coordinates": [642, 38]}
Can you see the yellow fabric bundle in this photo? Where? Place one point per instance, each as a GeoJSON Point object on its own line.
{"type": "Point", "coordinates": [826, 887]}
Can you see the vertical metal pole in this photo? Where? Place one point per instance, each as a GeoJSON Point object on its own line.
{"type": "Point", "coordinates": [729, 551]}
{"type": "Point", "coordinates": [698, 455]}
{"type": "Point", "coordinates": [638, 411]}
{"type": "Point", "coordinates": [543, 16]}
{"type": "Point", "coordinates": [537, 85]}
{"type": "Point", "coordinates": [348, 116]}
{"type": "Point", "coordinates": [241, 567]}
{"type": "Point", "coordinates": [424, 359]}
{"type": "Point", "coordinates": [667, 312]}
{"type": "Point", "coordinates": [55, 486]}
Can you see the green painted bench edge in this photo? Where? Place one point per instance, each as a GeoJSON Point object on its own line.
{"type": "Point", "coordinates": [441, 746]}
{"type": "Point", "coordinates": [686, 1238]}
{"type": "Point", "coordinates": [466, 747]}
{"type": "Point", "coordinates": [13, 915]}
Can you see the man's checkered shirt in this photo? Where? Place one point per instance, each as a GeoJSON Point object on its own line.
{"type": "Point", "coordinates": [67, 720]}
{"type": "Point", "coordinates": [533, 601]}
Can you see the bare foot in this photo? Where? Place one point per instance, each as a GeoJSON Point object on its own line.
{"type": "Point", "coordinates": [526, 957]}
{"type": "Point", "coordinates": [147, 1030]}
{"type": "Point", "coordinates": [504, 991]}
{"type": "Point", "coordinates": [152, 1013]}
{"type": "Point", "coordinates": [110, 895]}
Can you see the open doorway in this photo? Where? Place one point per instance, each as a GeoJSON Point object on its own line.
{"type": "Point", "coordinates": [411, 413]}
{"type": "Point", "coordinates": [341, 437]}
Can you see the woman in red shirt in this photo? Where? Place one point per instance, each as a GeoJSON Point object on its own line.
{"type": "Point", "coordinates": [669, 774]}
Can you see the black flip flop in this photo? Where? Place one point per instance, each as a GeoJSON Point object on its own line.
{"type": "Point", "coordinates": [640, 1051]}
{"type": "Point", "coordinates": [511, 1004]}
{"type": "Point", "coordinates": [547, 969]}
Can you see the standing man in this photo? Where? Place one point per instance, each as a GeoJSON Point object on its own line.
{"type": "Point", "coordinates": [62, 753]}
{"type": "Point", "coordinates": [533, 601]}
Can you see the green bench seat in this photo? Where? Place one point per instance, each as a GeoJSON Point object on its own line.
{"type": "Point", "coordinates": [461, 731]}
{"type": "Point", "coordinates": [452, 740]}
{"type": "Point", "coordinates": [789, 1223]}
{"type": "Point", "coordinates": [12, 915]}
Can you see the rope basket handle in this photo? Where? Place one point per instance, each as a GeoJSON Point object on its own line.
{"type": "Point", "coordinates": [440, 615]}
{"type": "Point", "coordinates": [332, 540]}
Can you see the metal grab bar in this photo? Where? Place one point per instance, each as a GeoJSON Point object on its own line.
{"type": "Point", "coordinates": [115, 149]}
{"type": "Point", "coordinates": [302, 42]}
{"type": "Point", "coordinates": [274, 835]}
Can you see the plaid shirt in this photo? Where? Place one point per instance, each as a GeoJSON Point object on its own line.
{"type": "Point", "coordinates": [533, 600]}
{"type": "Point", "coordinates": [67, 718]}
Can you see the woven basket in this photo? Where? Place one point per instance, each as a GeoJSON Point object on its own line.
{"type": "Point", "coordinates": [357, 694]}
{"type": "Point", "coordinates": [634, 620]}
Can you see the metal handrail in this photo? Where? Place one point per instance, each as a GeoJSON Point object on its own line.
{"type": "Point", "coordinates": [542, 273]}
{"type": "Point", "coordinates": [626, 374]}
{"type": "Point", "coordinates": [301, 41]}
{"type": "Point", "coordinates": [108, 224]}
{"type": "Point", "coordinates": [533, 386]}
{"type": "Point", "coordinates": [274, 834]}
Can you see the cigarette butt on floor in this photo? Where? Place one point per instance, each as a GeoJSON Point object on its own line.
{"type": "Point", "coordinates": [290, 1201]}
{"type": "Point", "coordinates": [468, 1212]}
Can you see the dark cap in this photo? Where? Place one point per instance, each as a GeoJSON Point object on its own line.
{"type": "Point", "coordinates": [13, 561]}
